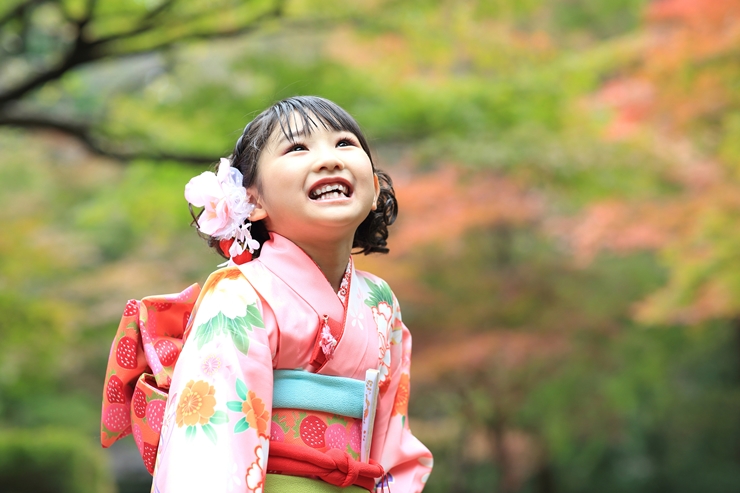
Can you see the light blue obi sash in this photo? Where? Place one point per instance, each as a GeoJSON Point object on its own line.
{"type": "Point", "coordinates": [348, 397]}
{"type": "Point", "coordinates": [295, 389]}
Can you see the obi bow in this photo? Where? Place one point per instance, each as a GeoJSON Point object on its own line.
{"type": "Point", "coordinates": [140, 365]}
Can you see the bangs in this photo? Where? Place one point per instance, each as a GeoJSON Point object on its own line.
{"type": "Point", "coordinates": [296, 116]}
{"type": "Point", "coordinates": [308, 112]}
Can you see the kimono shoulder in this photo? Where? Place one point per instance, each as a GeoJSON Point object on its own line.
{"type": "Point", "coordinates": [226, 294]}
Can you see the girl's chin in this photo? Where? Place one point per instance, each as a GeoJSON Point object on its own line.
{"type": "Point", "coordinates": [321, 226]}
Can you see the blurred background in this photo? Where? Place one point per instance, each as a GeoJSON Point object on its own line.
{"type": "Point", "coordinates": [567, 253]}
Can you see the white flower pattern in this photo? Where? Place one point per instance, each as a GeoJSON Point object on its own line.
{"type": "Point", "coordinates": [382, 315]}
{"type": "Point", "coordinates": [256, 472]}
{"type": "Point", "coordinates": [357, 317]}
{"type": "Point", "coordinates": [230, 297]}
{"type": "Point", "coordinates": [235, 481]}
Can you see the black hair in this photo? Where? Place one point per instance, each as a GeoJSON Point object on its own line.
{"type": "Point", "coordinates": [372, 234]}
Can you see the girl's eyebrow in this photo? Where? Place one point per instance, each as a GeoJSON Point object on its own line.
{"type": "Point", "coordinates": [285, 138]}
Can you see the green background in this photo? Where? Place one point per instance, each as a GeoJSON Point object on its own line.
{"type": "Point", "coordinates": [566, 253]}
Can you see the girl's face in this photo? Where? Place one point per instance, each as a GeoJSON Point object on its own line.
{"type": "Point", "coordinates": [317, 187]}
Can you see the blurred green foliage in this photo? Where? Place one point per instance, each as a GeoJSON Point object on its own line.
{"type": "Point", "coordinates": [48, 460]}
{"type": "Point", "coordinates": [574, 395]}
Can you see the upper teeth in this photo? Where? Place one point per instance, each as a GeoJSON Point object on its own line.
{"type": "Point", "coordinates": [334, 187]}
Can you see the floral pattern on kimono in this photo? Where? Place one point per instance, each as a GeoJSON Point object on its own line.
{"type": "Point", "coordinates": [264, 315]}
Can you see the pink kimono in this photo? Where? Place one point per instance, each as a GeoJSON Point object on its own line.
{"type": "Point", "coordinates": [269, 314]}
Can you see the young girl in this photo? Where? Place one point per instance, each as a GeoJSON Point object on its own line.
{"type": "Point", "coordinates": [289, 350]}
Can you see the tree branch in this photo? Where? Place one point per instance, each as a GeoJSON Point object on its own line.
{"type": "Point", "coordinates": [274, 13]}
{"type": "Point", "coordinates": [221, 35]}
{"type": "Point", "coordinates": [82, 133]}
{"type": "Point", "coordinates": [85, 52]}
{"type": "Point", "coordinates": [146, 23]}
{"type": "Point", "coordinates": [80, 53]}
{"type": "Point", "coordinates": [163, 7]}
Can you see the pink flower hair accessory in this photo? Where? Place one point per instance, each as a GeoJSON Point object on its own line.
{"type": "Point", "coordinates": [226, 207]}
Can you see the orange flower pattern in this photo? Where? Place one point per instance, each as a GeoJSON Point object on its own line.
{"type": "Point", "coordinates": [220, 401]}
{"type": "Point", "coordinates": [220, 275]}
{"type": "Point", "coordinates": [196, 405]}
{"type": "Point", "coordinates": [401, 404]}
{"type": "Point", "coordinates": [256, 413]}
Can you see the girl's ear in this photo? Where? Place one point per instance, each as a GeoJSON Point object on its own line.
{"type": "Point", "coordinates": [259, 212]}
{"type": "Point", "coordinates": [377, 191]}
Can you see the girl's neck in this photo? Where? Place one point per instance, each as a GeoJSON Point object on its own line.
{"type": "Point", "coordinates": [331, 258]}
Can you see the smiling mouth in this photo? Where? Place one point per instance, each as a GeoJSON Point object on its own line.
{"type": "Point", "coordinates": [330, 191]}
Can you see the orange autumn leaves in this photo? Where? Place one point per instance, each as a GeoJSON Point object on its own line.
{"type": "Point", "coordinates": [683, 68]}
{"type": "Point", "coordinates": [680, 94]}
{"type": "Point", "coordinates": [444, 204]}
{"type": "Point", "coordinates": [438, 208]}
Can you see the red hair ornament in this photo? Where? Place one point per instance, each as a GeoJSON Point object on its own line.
{"type": "Point", "coordinates": [240, 259]}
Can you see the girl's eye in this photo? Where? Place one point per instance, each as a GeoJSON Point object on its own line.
{"type": "Point", "coordinates": [346, 142]}
{"type": "Point", "coordinates": [297, 147]}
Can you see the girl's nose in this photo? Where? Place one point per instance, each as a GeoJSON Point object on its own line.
{"type": "Point", "coordinates": [328, 160]}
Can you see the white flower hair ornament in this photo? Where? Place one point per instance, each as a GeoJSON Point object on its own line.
{"type": "Point", "coordinates": [226, 209]}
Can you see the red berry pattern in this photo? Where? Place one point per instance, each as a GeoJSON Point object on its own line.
{"type": "Point", "coordinates": [312, 431]}
{"type": "Point", "coordinates": [161, 306]}
{"type": "Point", "coordinates": [335, 436]}
{"type": "Point", "coordinates": [126, 353]}
{"type": "Point", "coordinates": [132, 308]}
{"type": "Point", "coordinates": [150, 456]}
{"type": "Point", "coordinates": [167, 352]}
{"type": "Point", "coordinates": [139, 403]}
{"type": "Point", "coordinates": [141, 341]}
{"type": "Point", "coordinates": [114, 391]}
{"type": "Point", "coordinates": [155, 414]}
{"type": "Point", "coordinates": [276, 433]}
{"type": "Point", "coordinates": [117, 417]}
